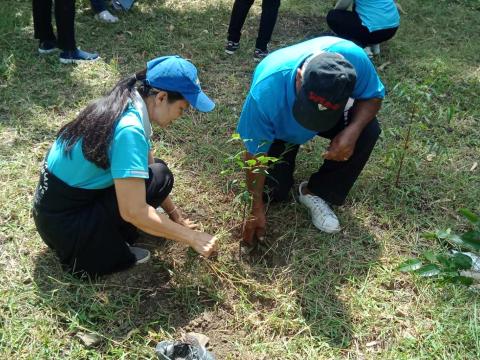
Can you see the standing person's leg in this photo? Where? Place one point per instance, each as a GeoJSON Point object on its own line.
{"type": "Point", "coordinates": [237, 18]}
{"type": "Point", "coordinates": [333, 181]}
{"type": "Point", "coordinates": [347, 24]}
{"type": "Point", "coordinates": [267, 23]}
{"type": "Point", "coordinates": [42, 25]}
{"type": "Point", "coordinates": [65, 19]}
{"type": "Point", "coordinates": [280, 178]}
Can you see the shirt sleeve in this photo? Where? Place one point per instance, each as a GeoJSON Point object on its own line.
{"type": "Point", "coordinates": [368, 85]}
{"type": "Point", "coordinates": [129, 153]}
{"type": "Point", "coordinates": [254, 128]}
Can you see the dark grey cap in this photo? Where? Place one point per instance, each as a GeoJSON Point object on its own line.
{"type": "Point", "coordinates": [327, 83]}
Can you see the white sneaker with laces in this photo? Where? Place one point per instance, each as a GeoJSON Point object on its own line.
{"type": "Point", "coordinates": [106, 16]}
{"type": "Point", "coordinates": [323, 217]}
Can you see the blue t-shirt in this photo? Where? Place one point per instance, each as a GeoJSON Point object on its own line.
{"type": "Point", "coordinates": [267, 112]}
{"type": "Point", "coordinates": [128, 154]}
{"type": "Point", "coordinates": [378, 14]}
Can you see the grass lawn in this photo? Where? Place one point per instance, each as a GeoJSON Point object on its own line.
{"type": "Point", "coordinates": [311, 295]}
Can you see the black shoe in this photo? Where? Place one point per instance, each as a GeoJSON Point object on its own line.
{"type": "Point", "coordinates": [47, 47]}
{"type": "Point", "coordinates": [141, 255]}
{"type": "Point", "coordinates": [231, 47]}
{"type": "Point", "coordinates": [77, 56]}
{"type": "Point", "coordinates": [259, 55]}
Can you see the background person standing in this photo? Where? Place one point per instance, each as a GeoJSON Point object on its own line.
{"type": "Point", "coordinates": [267, 23]}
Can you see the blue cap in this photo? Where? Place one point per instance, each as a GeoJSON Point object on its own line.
{"type": "Point", "coordinates": [173, 73]}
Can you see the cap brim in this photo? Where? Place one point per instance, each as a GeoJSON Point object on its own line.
{"type": "Point", "coordinates": [310, 117]}
{"type": "Point", "coordinates": [200, 101]}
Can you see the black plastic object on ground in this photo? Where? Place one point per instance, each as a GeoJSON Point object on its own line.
{"type": "Point", "coordinates": [176, 350]}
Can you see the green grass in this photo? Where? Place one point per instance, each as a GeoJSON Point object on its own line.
{"type": "Point", "coordinates": [313, 295]}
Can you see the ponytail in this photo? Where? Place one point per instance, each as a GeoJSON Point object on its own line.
{"type": "Point", "coordinates": [95, 124]}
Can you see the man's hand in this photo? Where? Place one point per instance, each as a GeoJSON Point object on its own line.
{"type": "Point", "coordinates": [342, 146]}
{"type": "Point", "coordinates": [254, 228]}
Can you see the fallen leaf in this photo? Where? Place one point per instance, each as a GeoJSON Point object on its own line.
{"type": "Point", "coordinates": [384, 65]}
{"type": "Point", "coordinates": [474, 166]}
{"type": "Point", "coordinates": [89, 340]}
{"type": "Point", "coordinates": [372, 343]}
{"type": "Point", "coordinates": [431, 156]}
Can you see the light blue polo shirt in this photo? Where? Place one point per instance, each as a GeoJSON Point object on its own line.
{"type": "Point", "coordinates": [267, 112]}
{"type": "Point", "coordinates": [378, 14]}
{"type": "Point", "coordinates": [128, 154]}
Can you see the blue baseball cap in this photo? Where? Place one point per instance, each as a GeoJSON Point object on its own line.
{"type": "Point", "coordinates": [174, 73]}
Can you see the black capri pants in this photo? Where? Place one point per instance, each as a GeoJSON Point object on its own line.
{"type": "Point", "coordinates": [84, 227]}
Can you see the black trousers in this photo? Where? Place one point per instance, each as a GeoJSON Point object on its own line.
{"type": "Point", "coordinates": [64, 18]}
{"type": "Point", "coordinates": [84, 227]}
{"type": "Point", "coordinates": [348, 25]}
{"type": "Point", "coordinates": [334, 179]}
{"type": "Point", "coordinates": [267, 21]}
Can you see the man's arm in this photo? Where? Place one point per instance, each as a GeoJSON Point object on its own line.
{"type": "Point", "coordinates": [255, 225]}
{"type": "Point", "coordinates": [343, 145]}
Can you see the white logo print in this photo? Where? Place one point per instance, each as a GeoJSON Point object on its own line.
{"type": "Point", "coordinates": [322, 107]}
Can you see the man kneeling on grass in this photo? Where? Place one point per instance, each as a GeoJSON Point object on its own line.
{"type": "Point", "coordinates": [300, 92]}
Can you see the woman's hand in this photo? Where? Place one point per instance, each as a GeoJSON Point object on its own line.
{"type": "Point", "coordinates": [177, 216]}
{"type": "Point", "coordinates": [204, 244]}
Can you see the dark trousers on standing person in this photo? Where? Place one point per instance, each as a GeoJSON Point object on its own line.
{"type": "Point", "coordinates": [64, 18]}
{"type": "Point", "coordinates": [334, 179]}
{"type": "Point", "coordinates": [348, 25]}
{"type": "Point", "coordinates": [267, 21]}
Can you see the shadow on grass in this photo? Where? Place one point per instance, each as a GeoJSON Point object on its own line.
{"type": "Point", "coordinates": [142, 300]}
{"type": "Point", "coordinates": [320, 266]}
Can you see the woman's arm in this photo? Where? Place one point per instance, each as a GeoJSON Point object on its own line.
{"type": "Point", "coordinates": [133, 208]}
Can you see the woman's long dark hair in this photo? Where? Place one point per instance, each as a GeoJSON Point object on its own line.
{"type": "Point", "coordinates": [95, 124]}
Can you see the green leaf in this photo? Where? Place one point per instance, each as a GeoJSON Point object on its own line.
{"type": "Point", "coordinates": [251, 162]}
{"type": "Point", "coordinates": [462, 261]}
{"type": "Point", "coordinates": [471, 236]}
{"type": "Point", "coordinates": [444, 260]}
{"type": "Point", "coordinates": [410, 265]}
{"type": "Point", "coordinates": [443, 234]}
{"type": "Point", "coordinates": [472, 217]}
{"type": "Point", "coordinates": [428, 270]}
{"type": "Point", "coordinates": [429, 235]}
{"type": "Point", "coordinates": [461, 280]}
{"type": "Point", "coordinates": [430, 256]}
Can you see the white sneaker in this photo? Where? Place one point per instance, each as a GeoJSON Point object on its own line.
{"type": "Point", "coordinates": [375, 49]}
{"type": "Point", "coordinates": [323, 217]}
{"type": "Point", "coordinates": [106, 16]}
{"type": "Point", "coordinates": [368, 51]}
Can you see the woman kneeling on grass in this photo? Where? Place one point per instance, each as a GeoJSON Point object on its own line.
{"type": "Point", "coordinates": [100, 183]}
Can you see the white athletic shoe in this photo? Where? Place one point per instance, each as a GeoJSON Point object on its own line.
{"type": "Point", "coordinates": [106, 16]}
{"type": "Point", "coordinates": [368, 51]}
{"type": "Point", "coordinates": [322, 215]}
{"type": "Point", "coordinates": [375, 49]}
